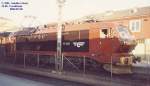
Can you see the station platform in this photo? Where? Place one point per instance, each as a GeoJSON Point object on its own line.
{"type": "Point", "coordinates": [81, 78]}
{"type": "Point", "coordinates": [93, 80]}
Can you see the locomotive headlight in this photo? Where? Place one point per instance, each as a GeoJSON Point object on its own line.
{"type": "Point", "coordinates": [126, 60]}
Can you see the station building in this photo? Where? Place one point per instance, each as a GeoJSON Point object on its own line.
{"type": "Point", "coordinates": [138, 22]}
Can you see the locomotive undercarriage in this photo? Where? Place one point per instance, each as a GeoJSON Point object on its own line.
{"type": "Point", "coordinates": [70, 63]}
{"type": "Point", "coordinates": [73, 64]}
{"type": "Point", "coordinates": [122, 67]}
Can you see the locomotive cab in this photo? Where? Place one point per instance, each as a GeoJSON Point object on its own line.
{"type": "Point", "coordinates": [120, 57]}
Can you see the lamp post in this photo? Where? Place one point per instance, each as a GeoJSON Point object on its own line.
{"type": "Point", "coordinates": [59, 58]}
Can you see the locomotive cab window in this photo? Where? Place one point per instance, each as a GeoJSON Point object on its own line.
{"type": "Point", "coordinates": [103, 33]}
{"type": "Point", "coordinates": [106, 33]}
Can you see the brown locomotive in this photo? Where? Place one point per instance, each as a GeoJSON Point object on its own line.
{"type": "Point", "coordinates": [102, 42]}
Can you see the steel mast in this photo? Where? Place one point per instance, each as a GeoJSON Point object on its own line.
{"type": "Point", "coordinates": [59, 58]}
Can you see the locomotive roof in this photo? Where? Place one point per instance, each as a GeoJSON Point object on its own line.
{"type": "Point", "coordinates": [75, 27]}
{"type": "Point", "coordinates": [25, 31]}
{"type": "Point", "coordinates": [94, 21]}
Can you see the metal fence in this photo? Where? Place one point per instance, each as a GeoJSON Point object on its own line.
{"type": "Point", "coordinates": [46, 62]}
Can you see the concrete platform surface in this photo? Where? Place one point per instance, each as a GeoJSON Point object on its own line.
{"type": "Point", "coordinates": [7, 80]}
{"type": "Point", "coordinates": [76, 77]}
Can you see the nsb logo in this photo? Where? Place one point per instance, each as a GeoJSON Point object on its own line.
{"type": "Point", "coordinates": [78, 44]}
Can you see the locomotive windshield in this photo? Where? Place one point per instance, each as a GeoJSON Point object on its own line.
{"type": "Point", "coordinates": [124, 33]}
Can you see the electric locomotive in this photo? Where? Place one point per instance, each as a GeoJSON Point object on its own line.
{"type": "Point", "coordinates": [106, 43]}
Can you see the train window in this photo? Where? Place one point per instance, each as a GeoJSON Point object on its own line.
{"type": "Point", "coordinates": [71, 35]}
{"type": "Point", "coordinates": [53, 36]}
{"type": "Point", "coordinates": [84, 34]}
{"type": "Point", "coordinates": [103, 33]}
{"type": "Point", "coordinates": [108, 32]}
{"type": "Point", "coordinates": [45, 26]}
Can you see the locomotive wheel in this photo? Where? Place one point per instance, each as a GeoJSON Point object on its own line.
{"type": "Point", "coordinates": [117, 69]}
